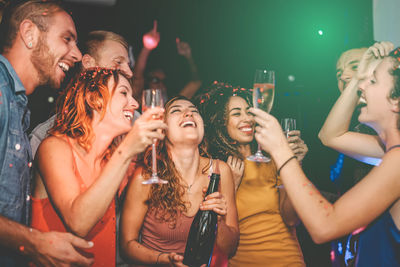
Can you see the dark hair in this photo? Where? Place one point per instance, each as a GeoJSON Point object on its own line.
{"type": "Point", "coordinates": [395, 55]}
{"type": "Point", "coordinates": [213, 108]}
{"type": "Point", "coordinates": [167, 200]}
{"type": "Point", "coordinates": [40, 12]}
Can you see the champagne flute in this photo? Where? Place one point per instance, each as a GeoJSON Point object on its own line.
{"type": "Point", "coordinates": [153, 98]}
{"type": "Point", "coordinates": [288, 124]}
{"type": "Point", "coordinates": [263, 98]}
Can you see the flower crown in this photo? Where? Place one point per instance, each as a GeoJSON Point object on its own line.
{"type": "Point", "coordinates": [93, 75]}
{"type": "Point", "coordinates": [221, 89]}
{"type": "Point", "coordinates": [396, 55]}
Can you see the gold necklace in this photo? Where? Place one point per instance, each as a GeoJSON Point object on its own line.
{"type": "Point", "coordinates": [190, 186]}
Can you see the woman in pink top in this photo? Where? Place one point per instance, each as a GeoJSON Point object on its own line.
{"type": "Point", "coordinates": [162, 213]}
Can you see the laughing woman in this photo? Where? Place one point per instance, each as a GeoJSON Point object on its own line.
{"type": "Point", "coordinates": [375, 199]}
{"type": "Point", "coordinates": [266, 216]}
{"type": "Point", "coordinates": [79, 170]}
{"type": "Point", "coordinates": [162, 213]}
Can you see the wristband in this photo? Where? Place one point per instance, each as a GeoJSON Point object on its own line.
{"type": "Point", "coordinates": [158, 257]}
{"type": "Point", "coordinates": [283, 165]}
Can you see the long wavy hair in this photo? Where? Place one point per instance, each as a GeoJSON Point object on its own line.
{"type": "Point", "coordinates": [166, 200]}
{"type": "Point", "coordinates": [213, 107]}
{"type": "Point", "coordinates": [87, 93]}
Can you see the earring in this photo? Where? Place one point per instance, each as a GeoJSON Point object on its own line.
{"type": "Point", "coordinates": [30, 44]}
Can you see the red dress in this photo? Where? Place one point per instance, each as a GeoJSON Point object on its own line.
{"type": "Point", "coordinates": [46, 219]}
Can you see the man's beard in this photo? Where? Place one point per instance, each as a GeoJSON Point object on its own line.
{"type": "Point", "coordinates": [43, 61]}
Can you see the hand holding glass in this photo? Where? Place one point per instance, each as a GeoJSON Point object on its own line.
{"type": "Point", "coordinates": [288, 124]}
{"type": "Point", "coordinates": [263, 98]}
{"type": "Point", "coordinates": [153, 98]}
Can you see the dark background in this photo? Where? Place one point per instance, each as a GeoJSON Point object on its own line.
{"type": "Point", "coordinates": [230, 39]}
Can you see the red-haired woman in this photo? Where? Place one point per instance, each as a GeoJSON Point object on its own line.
{"type": "Point", "coordinates": [79, 170]}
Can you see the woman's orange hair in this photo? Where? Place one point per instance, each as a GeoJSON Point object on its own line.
{"type": "Point", "coordinates": [87, 93]}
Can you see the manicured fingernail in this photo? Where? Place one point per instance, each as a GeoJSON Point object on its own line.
{"type": "Point", "coordinates": [91, 244]}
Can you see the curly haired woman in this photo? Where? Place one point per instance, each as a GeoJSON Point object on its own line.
{"type": "Point", "coordinates": [266, 215]}
{"type": "Point", "coordinates": [79, 170]}
{"type": "Point", "coordinates": [162, 213]}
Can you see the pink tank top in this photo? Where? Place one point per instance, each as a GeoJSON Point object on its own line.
{"type": "Point", "coordinates": [160, 236]}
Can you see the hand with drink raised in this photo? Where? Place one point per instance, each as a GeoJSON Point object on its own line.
{"type": "Point", "coordinates": [144, 131]}
{"type": "Point", "coordinates": [297, 144]}
{"type": "Point", "coordinates": [269, 134]}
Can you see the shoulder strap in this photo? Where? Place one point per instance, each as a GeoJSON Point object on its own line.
{"type": "Point", "coordinates": [390, 148]}
{"type": "Point", "coordinates": [82, 185]}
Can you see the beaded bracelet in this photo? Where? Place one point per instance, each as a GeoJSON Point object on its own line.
{"type": "Point", "coordinates": [283, 165]}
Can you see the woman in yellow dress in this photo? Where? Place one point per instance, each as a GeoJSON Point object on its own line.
{"type": "Point", "coordinates": [267, 219]}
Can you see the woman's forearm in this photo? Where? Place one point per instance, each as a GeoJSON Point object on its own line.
{"type": "Point", "coordinates": [139, 254]}
{"type": "Point", "coordinates": [339, 118]}
{"type": "Point", "coordinates": [287, 210]}
{"type": "Point", "coordinates": [227, 238]}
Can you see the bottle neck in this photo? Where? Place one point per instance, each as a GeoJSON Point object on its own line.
{"type": "Point", "coordinates": [214, 183]}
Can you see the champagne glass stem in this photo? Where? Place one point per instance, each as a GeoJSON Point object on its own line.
{"type": "Point", "coordinates": [154, 159]}
{"type": "Point", "coordinates": [258, 149]}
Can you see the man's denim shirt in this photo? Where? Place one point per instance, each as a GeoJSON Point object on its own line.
{"type": "Point", "coordinates": [15, 150]}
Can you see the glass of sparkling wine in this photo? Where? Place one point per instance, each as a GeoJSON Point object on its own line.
{"type": "Point", "coordinates": [263, 98]}
{"type": "Point", "coordinates": [153, 98]}
{"type": "Point", "coordinates": [288, 124]}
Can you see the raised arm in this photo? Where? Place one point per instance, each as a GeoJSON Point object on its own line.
{"type": "Point", "coordinates": [300, 149]}
{"type": "Point", "coordinates": [194, 84]}
{"type": "Point", "coordinates": [57, 171]}
{"type": "Point", "coordinates": [335, 131]}
{"type": "Point", "coordinates": [324, 221]}
{"type": "Point", "coordinates": [150, 42]}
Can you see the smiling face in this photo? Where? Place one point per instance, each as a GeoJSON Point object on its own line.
{"type": "Point", "coordinates": [185, 124]}
{"type": "Point", "coordinates": [114, 55]}
{"type": "Point", "coordinates": [56, 50]}
{"type": "Point", "coordinates": [375, 92]}
{"type": "Point", "coordinates": [121, 106]}
{"type": "Point", "coordinates": [240, 124]}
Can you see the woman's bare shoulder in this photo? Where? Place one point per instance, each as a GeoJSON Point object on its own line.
{"type": "Point", "coordinates": [54, 144]}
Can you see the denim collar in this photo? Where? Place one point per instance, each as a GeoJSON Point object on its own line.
{"type": "Point", "coordinates": [18, 86]}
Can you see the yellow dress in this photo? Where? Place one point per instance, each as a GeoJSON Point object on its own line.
{"type": "Point", "coordinates": [265, 240]}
